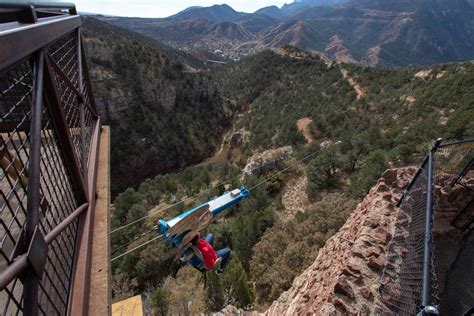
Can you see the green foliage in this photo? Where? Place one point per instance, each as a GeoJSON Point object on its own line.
{"type": "Point", "coordinates": [247, 230]}
{"type": "Point", "coordinates": [400, 114]}
{"type": "Point", "coordinates": [160, 301]}
{"type": "Point", "coordinates": [125, 201]}
{"type": "Point", "coordinates": [322, 171]}
{"type": "Point", "coordinates": [288, 248]}
{"type": "Point", "coordinates": [163, 117]}
{"type": "Point", "coordinates": [375, 163]}
{"type": "Point", "coordinates": [232, 287]}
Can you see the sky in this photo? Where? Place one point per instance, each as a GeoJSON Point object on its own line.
{"type": "Point", "coordinates": [164, 8]}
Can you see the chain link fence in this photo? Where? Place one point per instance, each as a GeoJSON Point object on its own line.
{"type": "Point", "coordinates": [416, 271]}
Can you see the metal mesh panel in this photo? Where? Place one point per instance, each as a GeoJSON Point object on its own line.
{"type": "Point", "coordinates": [16, 92]}
{"type": "Point", "coordinates": [57, 193]}
{"type": "Point", "coordinates": [58, 201]}
{"type": "Point", "coordinates": [89, 119]}
{"type": "Point", "coordinates": [453, 165]}
{"type": "Point", "coordinates": [450, 160]}
{"type": "Point", "coordinates": [458, 296]}
{"type": "Point", "coordinates": [58, 198]}
{"type": "Point", "coordinates": [403, 277]}
{"type": "Point", "coordinates": [64, 53]}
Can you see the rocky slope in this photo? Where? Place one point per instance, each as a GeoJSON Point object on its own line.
{"type": "Point", "coordinates": [345, 276]}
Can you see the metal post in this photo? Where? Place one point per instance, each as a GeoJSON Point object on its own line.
{"type": "Point", "coordinates": [426, 286]}
{"type": "Point", "coordinates": [31, 282]}
{"type": "Point", "coordinates": [425, 295]}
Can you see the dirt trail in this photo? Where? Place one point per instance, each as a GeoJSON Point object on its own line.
{"type": "Point", "coordinates": [358, 88]}
{"type": "Point", "coordinates": [303, 125]}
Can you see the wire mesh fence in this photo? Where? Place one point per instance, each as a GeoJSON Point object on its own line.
{"type": "Point", "coordinates": [59, 199]}
{"type": "Point", "coordinates": [403, 275]}
{"type": "Point", "coordinates": [458, 296]}
{"type": "Point", "coordinates": [59, 190]}
{"type": "Point", "coordinates": [16, 87]}
{"type": "Point", "coordinates": [405, 289]}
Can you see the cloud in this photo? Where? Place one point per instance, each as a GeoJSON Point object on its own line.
{"type": "Point", "coordinates": [164, 8]}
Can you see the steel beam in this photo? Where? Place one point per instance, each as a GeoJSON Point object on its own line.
{"type": "Point", "coordinates": [81, 281]}
{"type": "Point", "coordinates": [19, 41]}
{"type": "Point", "coordinates": [31, 280]}
{"type": "Point", "coordinates": [63, 76]}
{"type": "Point", "coordinates": [65, 223]}
{"type": "Point", "coordinates": [13, 270]}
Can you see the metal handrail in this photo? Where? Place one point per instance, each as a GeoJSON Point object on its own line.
{"type": "Point", "coordinates": [21, 263]}
{"type": "Point", "coordinates": [37, 5]}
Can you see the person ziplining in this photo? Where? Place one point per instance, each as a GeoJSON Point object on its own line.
{"type": "Point", "coordinates": [201, 255]}
{"type": "Point", "coordinates": [182, 231]}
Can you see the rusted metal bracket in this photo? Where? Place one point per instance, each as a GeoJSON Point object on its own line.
{"type": "Point", "coordinates": [38, 253]}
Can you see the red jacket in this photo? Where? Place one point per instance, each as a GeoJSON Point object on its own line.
{"type": "Point", "coordinates": [208, 253]}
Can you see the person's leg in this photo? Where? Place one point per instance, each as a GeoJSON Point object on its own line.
{"type": "Point", "coordinates": [195, 262]}
{"type": "Point", "coordinates": [210, 239]}
{"type": "Point", "coordinates": [225, 255]}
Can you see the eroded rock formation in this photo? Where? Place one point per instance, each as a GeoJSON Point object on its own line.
{"type": "Point", "coordinates": [268, 160]}
{"type": "Point", "coordinates": [345, 276]}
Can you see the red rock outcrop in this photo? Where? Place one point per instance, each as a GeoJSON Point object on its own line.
{"type": "Point", "coordinates": [345, 276]}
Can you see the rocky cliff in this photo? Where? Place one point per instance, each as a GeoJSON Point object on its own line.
{"type": "Point", "coordinates": [272, 159]}
{"type": "Point", "coordinates": [164, 113]}
{"type": "Point", "coordinates": [345, 276]}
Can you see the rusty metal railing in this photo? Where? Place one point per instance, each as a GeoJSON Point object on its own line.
{"type": "Point", "coordinates": [49, 139]}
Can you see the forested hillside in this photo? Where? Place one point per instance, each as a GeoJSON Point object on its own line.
{"type": "Point", "coordinates": [358, 122]}
{"type": "Point", "coordinates": [368, 113]}
{"type": "Point", "coordinates": [164, 113]}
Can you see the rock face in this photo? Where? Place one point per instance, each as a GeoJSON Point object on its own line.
{"type": "Point", "coordinates": [345, 276]}
{"type": "Point", "coordinates": [268, 160]}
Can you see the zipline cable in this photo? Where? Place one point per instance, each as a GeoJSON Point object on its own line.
{"type": "Point", "coordinates": [190, 198]}
{"type": "Point", "coordinates": [284, 169]}
{"type": "Point", "coordinates": [159, 211]}
{"type": "Point", "coordinates": [137, 247]}
{"type": "Point", "coordinates": [135, 239]}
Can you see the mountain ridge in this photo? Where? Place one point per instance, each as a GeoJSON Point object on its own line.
{"type": "Point", "coordinates": [372, 32]}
